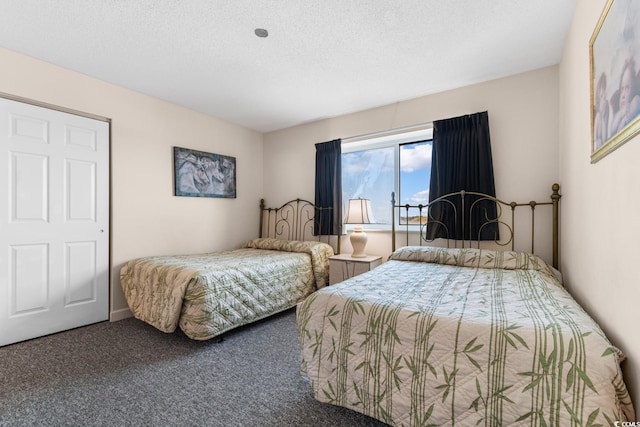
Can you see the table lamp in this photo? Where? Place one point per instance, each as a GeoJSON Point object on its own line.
{"type": "Point", "coordinates": [359, 212]}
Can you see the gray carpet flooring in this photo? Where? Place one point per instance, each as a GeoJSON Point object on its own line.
{"type": "Point", "coordinates": [127, 373]}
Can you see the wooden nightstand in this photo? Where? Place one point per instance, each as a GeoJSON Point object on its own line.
{"type": "Point", "coordinates": [343, 266]}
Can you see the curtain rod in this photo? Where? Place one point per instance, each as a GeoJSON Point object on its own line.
{"type": "Point", "coordinates": [389, 132]}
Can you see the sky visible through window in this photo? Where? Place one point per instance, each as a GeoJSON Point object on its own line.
{"type": "Point", "coordinates": [370, 174]}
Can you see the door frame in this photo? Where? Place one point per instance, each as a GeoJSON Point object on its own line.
{"type": "Point", "coordinates": [94, 117]}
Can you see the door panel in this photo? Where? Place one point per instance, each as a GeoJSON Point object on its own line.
{"type": "Point", "coordinates": [54, 221]}
{"type": "Point", "coordinates": [29, 191]}
{"type": "Point", "coordinates": [29, 129]}
{"type": "Point", "coordinates": [29, 290]}
{"type": "Point", "coordinates": [81, 191]}
{"type": "Point", "coordinates": [80, 262]}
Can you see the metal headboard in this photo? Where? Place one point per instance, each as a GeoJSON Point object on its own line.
{"type": "Point", "coordinates": [295, 220]}
{"type": "Point", "coordinates": [470, 241]}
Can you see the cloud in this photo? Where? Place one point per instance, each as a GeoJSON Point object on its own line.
{"type": "Point", "coordinates": [415, 157]}
{"type": "Point", "coordinates": [359, 162]}
{"type": "Point", "coordinates": [421, 197]}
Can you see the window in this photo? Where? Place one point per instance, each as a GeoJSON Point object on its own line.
{"type": "Point", "coordinates": [400, 163]}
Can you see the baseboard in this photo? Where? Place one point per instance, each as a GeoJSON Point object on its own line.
{"type": "Point", "coordinates": [123, 313]}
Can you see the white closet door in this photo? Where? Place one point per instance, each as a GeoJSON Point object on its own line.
{"type": "Point", "coordinates": [54, 221]}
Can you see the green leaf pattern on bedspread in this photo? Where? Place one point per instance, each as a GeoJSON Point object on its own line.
{"type": "Point", "coordinates": [208, 294]}
{"type": "Point", "coordinates": [484, 338]}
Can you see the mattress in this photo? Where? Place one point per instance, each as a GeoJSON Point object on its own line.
{"type": "Point", "coordinates": [208, 294]}
{"type": "Point", "coordinates": [461, 337]}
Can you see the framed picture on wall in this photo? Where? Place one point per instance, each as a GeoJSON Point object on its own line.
{"type": "Point", "coordinates": [201, 174]}
{"type": "Point", "coordinates": [614, 53]}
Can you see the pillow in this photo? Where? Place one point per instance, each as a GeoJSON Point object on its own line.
{"type": "Point", "coordinates": [472, 257]}
{"type": "Point", "coordinates": [286, 245]}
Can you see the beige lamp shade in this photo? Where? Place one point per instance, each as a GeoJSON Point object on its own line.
{"type": "Point", "coordinates": [359, 212]}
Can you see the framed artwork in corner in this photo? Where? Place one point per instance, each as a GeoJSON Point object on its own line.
{"type": "Point", "coordinates": [201, 174]}
{"type": "Point", "coordinates": [614, 53]}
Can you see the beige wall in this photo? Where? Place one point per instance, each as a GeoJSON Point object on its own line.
{"type": "Point", "coordinates": [146, 219]}
{"type": "Point", "coordinates": [523, 118]}
{"type": "Point", "coordinates": [540, 127]}
{"type": "Point", "coordinates": [600, 207]}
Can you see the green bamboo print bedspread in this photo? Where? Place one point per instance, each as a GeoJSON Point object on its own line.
{"type": "Point", "coordinates": [208, 294]}
{"type": "Point", "coordinates": [461, 337]}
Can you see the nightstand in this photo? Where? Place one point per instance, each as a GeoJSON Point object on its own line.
{"type": "Point", "coordinates": [343, 266]}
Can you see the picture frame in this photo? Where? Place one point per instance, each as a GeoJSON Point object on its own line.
{"type": "Point", "coordinates": [202, 174]}
{"type": "Point", "coordinates": [614, 53]}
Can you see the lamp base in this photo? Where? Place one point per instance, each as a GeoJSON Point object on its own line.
{"type": "Point", "coordinates": [358, 242]}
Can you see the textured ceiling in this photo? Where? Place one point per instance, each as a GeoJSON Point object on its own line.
{"type": "Point", "coordinates": [323, 58]}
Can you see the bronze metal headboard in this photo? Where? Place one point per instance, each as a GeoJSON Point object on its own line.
{"type": "Point", "coordinates": [425, 215]}
{"type": "Point", "coordinates": [295, 220]}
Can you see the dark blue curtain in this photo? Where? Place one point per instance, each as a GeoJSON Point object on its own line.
{"type": "Point", "coordinates": [461, 160]}
{"type": "Point", "coordinates": [328, 199]}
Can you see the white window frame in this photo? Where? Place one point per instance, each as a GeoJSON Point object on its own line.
{"type": "Point", "coordinates": [393, 139]}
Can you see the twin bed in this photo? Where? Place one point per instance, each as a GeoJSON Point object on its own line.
{"type": "Point", "coordinates": [453, 335]}
{"type": "Point", "coordinates": [206, 295]}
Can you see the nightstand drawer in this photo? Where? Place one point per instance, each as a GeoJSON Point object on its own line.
{"type": "Point", "coordinates": [343, 266]}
